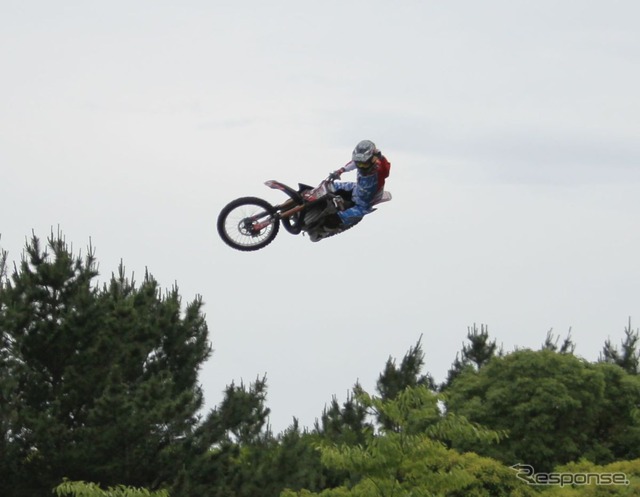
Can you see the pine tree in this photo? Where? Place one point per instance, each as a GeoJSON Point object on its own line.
{"type": "Point", "coordinates": [551, 343]}
{"type": "Point", "coordinates": [98, 384]}
{"type": "Point", "coordinates": [629, 357]}
{"type": "Point", "coordinates": [395, 379]}
{"type": "Point", "coordinates": [474, 355]}
{"type": "Point", "coordinates": [232, 448]}
{"type": "Point", "coordinates": [346, 424]}
{"type": "Point", "coordinates": [7, 387]}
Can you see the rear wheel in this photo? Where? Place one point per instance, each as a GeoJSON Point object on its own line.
{"type": "Point", "coordinates": [248, 223]}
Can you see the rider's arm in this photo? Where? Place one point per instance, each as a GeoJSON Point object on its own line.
{"type": "Point", "coordinates": [349, 166]}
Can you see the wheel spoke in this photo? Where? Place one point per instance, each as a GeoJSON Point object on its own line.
{"type": "Point", "coordinates": [248, 224]}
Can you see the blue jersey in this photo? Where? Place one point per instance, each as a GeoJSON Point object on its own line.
{"type": "Point", "coordinates": [365, 190]}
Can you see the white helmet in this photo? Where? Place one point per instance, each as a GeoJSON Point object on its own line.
{"type": "Point", "coordinates": [364, 151]}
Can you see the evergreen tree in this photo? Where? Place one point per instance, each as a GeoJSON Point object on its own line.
{"type": "Point", "coordinates": [394, 379]}
{"type": "Point", "coordinates": [242, 416]}
{"type": "Point", "coordinates": [474, 355]}
{"type": "Point", "coordinates": [296, 462]}
{"type": "Point", "coordinates": [97, 384]}
{"type": "Point", "coordinates": [629, 357]}
{"type": "Point", "coordinates": [232, 448]}
{"type": "Point", "coordinates": [7, 387]}
{"type": "Point", "coordinates": [346, 424]}
{"type": "Point", "coordinates": [551, 343]}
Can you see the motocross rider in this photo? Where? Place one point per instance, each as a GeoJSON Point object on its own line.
{"type": "Point", "coordinates": [373, 168]}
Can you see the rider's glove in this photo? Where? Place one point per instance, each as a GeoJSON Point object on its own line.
{"type": "Point", "coordinates": [335, 175]}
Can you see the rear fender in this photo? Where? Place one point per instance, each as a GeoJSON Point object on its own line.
{"type": "Point", "coordinates": [276, 185]}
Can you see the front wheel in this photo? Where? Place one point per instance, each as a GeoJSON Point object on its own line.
{"type": "Point", "coordinates": [248, 223]}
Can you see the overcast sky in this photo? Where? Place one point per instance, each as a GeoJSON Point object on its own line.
{"type": "Point", "coordinates": [512, 127]}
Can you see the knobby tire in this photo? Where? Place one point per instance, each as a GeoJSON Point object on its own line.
{"type": "Point", "coordinates": [232, 229]}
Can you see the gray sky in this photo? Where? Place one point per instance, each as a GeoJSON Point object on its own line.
{"type": "Point", "coordinates": [512, 128]}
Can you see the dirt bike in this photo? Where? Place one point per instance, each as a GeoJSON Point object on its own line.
{"type": "Point", "coordinates": [251, 223]}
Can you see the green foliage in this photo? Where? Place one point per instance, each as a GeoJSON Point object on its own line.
{"type": "Point", "coordinates": [617, 432]}
{"type": "Point", "coordinates": [97, 384]}
{"type": "Point", "coordinates": [346, 424]}
{"type": "Point", "coordinates": [87, 489]}
{"type": "Point", "coordinates": [555, 407]}
{"type": "Point", "coordinates": [628, 357]}
{"type": "Point", "coordinates": [3, 265]}
{"type": "Point", "coordinates": [412, 458]}
{"type": "Point", "coordinates": [631, 470]}
{"type": "Point", "coordinates": [551, 343]}
{"type": "Point", "coordinates": [474, 355]}
{"type": "Point", "coordinates": [231, 447]}
{"type": "Point", "coordinates": [394, 379]}
{"type": "Point", "coordinates": [100, 383]}
{"type": "Point", "coordinates": [242, 415]}
{"type": "Point", "coordinates": [296, 462]}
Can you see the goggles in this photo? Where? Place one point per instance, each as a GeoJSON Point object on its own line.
{"type": "Point", "coordinates": [363, 165]}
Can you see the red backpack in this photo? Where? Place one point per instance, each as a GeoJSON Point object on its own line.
{"type": "Point", "coordinates": [384, 167]}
